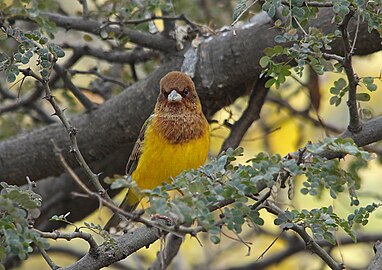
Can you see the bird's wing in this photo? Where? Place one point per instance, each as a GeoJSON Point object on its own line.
{"type": "Point", "coordinates": [137, 150]}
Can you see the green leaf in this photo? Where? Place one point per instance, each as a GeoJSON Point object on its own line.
{"type": "Point", "coordinates": [271, 11]}
{"type": "Point", "coordinates": [11, 77]}
{"type": "Point", "coordinates": [280, 39]}
{"type": "Point", "coordinates": [333, 100]}
{"type": "Point", "coordinates": [57, 50]}
{"type": "Point", "coordinates": [270, 82]}
{"type": "Point", "coordinates": [299, 12]}
{"type": "Point", "coordinates": [87, 38]}
{"type": "Point", "coordinates": [215, 239]}
{"type": "Point", "coordinates": [264, 61]}
{"type": "Point", "coordinates": [363, 97]}
{"type": "Point", "coordinates": [371, 87]}
{"type": "Point", "coordinates": [368, 80]}
{"type": "Point", "coordinates": [3, 35]}
{"type": "Point", "coordinates": [340, 83]}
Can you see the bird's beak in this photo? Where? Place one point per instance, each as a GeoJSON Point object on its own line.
{"type": "Point", "coordinates": [174, 96]}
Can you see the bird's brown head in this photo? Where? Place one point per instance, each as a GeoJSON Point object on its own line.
{"type": "Point", "coordinates": [177, 94]}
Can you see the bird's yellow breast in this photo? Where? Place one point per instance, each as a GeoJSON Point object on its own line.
{"type": "Point", "coordinates": [161, 159]}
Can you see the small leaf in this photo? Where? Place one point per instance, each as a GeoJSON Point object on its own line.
{"type": "Point", "coordinates": [270, 82]}
{"type": "Point", "coordinates": [363, 97]}
{"type": "Point", "coordinates": [239, 9]}
{"type": "Point", "coordinates": [299, 12]}
{"type": "Point", "coordinates": [215, 239]}
{"type": "Point", "coordinates": [333, 100]}
{"type": "Point", "coordinates": [271, 11]}
{"type": "Point", "coordinates": [264, 61]}
{"type": "Point", "coordinates": [3, 35]}
{"type": "Point", "coordinates": [371, 87]}
{"type": "Point", "coordinates": [368, 80]}
{"type": "Point", "coordinates": [280, 39]}
{"type": "Point", "coordinates": [87, 38]}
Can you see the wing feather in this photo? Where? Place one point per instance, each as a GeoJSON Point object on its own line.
{"type": "Point", "coordinates": [138, 147]}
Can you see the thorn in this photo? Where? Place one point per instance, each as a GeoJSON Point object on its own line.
{"type": "Point", "coordinates": [54, 114]}
{"type": "Point", "coordinates": [72, 131]}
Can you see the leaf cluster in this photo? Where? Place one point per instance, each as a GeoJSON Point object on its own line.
{"type": "Point", "coordinates": [18, 207]}
{"type": "Point", "coordinates": [323, 222]}
{"type": "Point", "coordinates": [234, 188]}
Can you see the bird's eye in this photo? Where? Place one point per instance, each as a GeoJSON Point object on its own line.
{"type": "Point", "coordinates": [186, 91]}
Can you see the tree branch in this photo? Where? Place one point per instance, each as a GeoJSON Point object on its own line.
{"type": "Point", "coordinates": [27, 101]}
{"type": "Point", "coordinates": [116, 56]}
{"type": "Point", "coordinates": [82, 98]}
{"type": "Point", "coordinates": [354, 122]}
{"type": "Point", "coordinates": [376, 263]}
{"type": "Point", "coordinates": [157, 42]}
{"type": "Point", "coordinates": [165, 256]}
{"type": "Point", "coordinates": [309, 241]}
{"type": "Point", "coordinates": [69, 236]}
{"type": "Point", "coordinates": [251, 114]}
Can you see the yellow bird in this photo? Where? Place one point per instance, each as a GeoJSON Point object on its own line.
{"type": "Point", "coordinates": [173, 139]}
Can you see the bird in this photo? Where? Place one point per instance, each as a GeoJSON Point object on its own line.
{"type": "Point", "coordinates": [174, 138]}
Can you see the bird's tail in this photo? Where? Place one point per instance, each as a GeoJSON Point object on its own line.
{"type": "Point", "coordinates": [129, 203]}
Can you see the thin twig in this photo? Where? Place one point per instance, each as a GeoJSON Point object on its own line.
{"type": "Point", "coordinates": [355, 35]}
{"type": "Point", "coordinates": [269, 246]}
{"type": "Point", "coordinates": [85, 8]}
{"type": "Point", "coordinates": [251, 114]}
{"type": "Point", "coordinates": [24, 102]}
{"type": "Point", "coordinates": [311, 3]}
{"type": "Point", "coordinates": [354, 121]}
{"type": "Point", "coordinates": [48, 260]}
{"type": "Point", "coordinates": [329, 56]}
{"type": "Point", "coordinates": [69, 236]}
{"type": "Point", "coordinates": [309, 241]}
{"type": "Point", "coordinates": [167, 254]}
{"type": "Point", "coordinates": [83, 99]}
{"type": "Point", "coordinates": [241, 13]}
{"type": "Point", "coordinates": [137, 55]}
{"type": "Point", "coordinates": [72, 131]}
{"type": "Point", "coordinates": [94, 71]}
{"type": "Point", "coordinates": [299, 26]}
{"type": "Point", "coordinates": [261, 200]}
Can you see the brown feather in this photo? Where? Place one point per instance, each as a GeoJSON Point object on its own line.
{"type": "Point", "coordinates": [182, 121]}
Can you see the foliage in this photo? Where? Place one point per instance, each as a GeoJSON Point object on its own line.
{"type": "Point", "coordinates": [30, 43]}
{"type": "Point", "coordinates": [323, 222]}
{"type": "Point", "coordinates": [309, 47]}
{"type": "Point", "coordinates": [223, 182]}
{"type": "Point", "coordinates": [18, 207]}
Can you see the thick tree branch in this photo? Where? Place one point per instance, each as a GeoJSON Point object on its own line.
{"type": "Point", "coordinates": [124, 245]}
{"type": "Point", "coordinates": [376, 263]}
